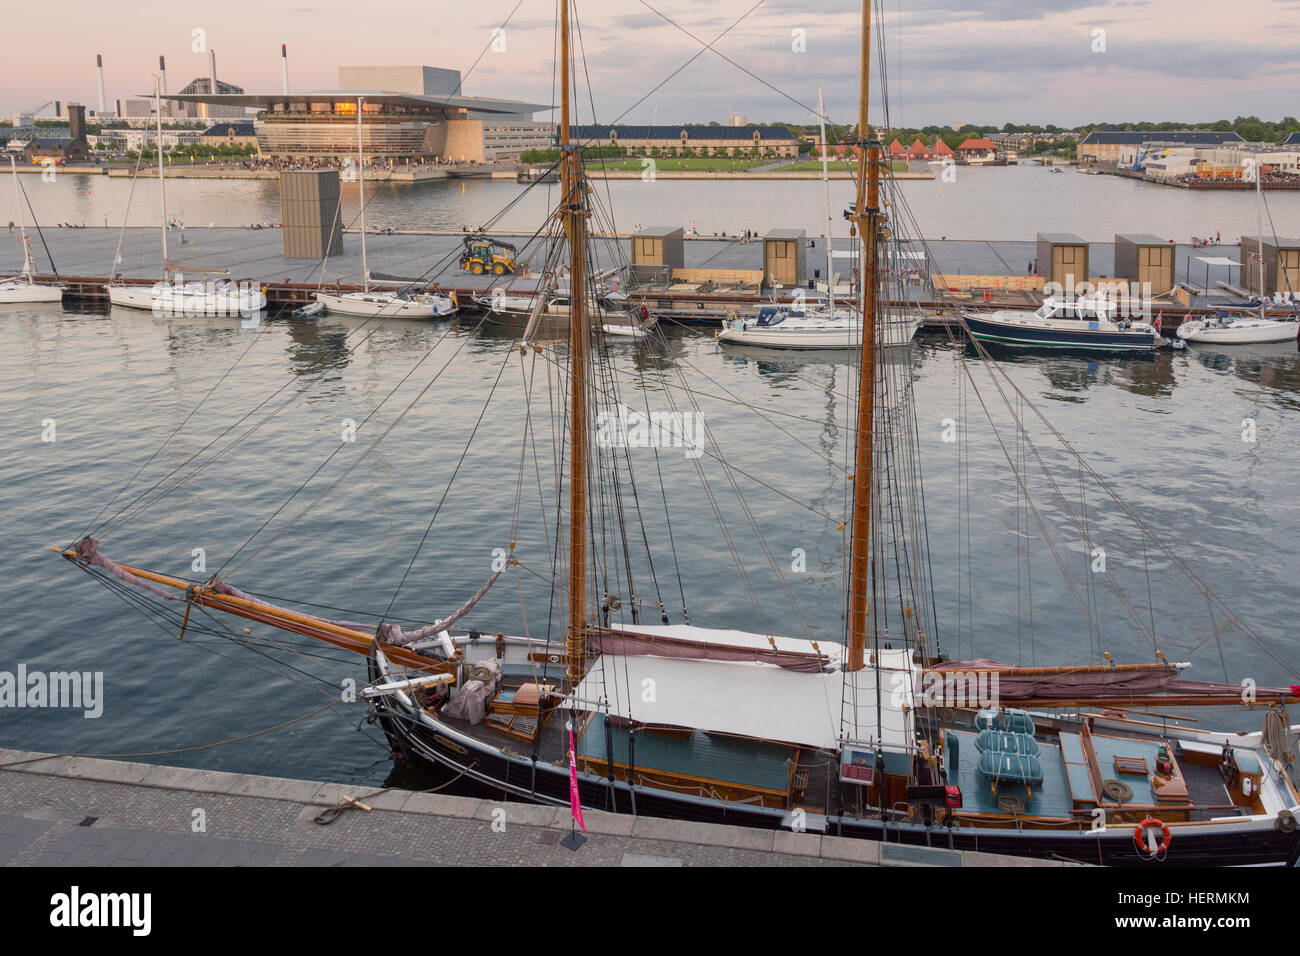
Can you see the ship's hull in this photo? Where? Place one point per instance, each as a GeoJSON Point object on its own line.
{"type": "Point", "coordinates": [16, 291]}
{"type": "Point", "coordinates": [198, 300]}
{"type": "Point", "coordinates": [1241, 332]}
{"type": "Point", "coordinates": [832, 335]}
{"type": "Point", "coordinates": [385, 304]}
{"type": "Point", "coordinates": [1027, 335]}
{"type": "Point", "coordinates": [441, 754]}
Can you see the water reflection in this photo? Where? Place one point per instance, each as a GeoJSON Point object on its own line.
{"type": "Point", "coordinates": [314, 349]}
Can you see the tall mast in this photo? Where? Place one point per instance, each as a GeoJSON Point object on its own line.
{"type": "Point", "coordinates": [1259, 224]}
{"type": "Point", "coordinates": [867, 218]}
{"type": "Point", "coordinates": [572, 204]}
{"type": "Point", "coordinates": [162, 189]}
{"type": "Point", "coordinates": [28, 266]}
{"type": "Point", "coordinates": [826, 185]}
{"type": "Point", "coordinates": [361, 185]}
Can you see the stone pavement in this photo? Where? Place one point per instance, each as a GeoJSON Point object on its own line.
{"type": "Point", "coordinates": [77, 811]}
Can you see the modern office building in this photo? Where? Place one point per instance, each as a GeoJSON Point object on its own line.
{"type": "Point", "coordinates": [409, 114]}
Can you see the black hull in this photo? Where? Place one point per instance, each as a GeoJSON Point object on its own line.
{"type": "Point", "coordinates": [440, 759]}
{"type": "Point", "coordinates": [1066, 340]}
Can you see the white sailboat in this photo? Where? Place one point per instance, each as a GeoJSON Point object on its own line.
{"type": "Point", "coordinates": [23, 287]}
{"type": "Point", "coordinates": [392, 302]}
{"type": "Point", "coordinates": [1244, 329]}
{"type": "Point", "coordinates": [173, 295]}
{"type": "Point", "coordinates": [823, 326]}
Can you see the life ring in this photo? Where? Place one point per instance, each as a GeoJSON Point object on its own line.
{"type": "Point", "coordinates": [1139, 838]}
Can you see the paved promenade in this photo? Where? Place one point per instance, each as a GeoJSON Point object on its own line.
{"type": "Point", "coordinates": [76, 811]}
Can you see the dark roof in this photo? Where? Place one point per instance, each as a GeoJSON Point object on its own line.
{"type": "Point", "coordinates": [1292, 140]}
{"type": "Point", "coordinates": [693, 131]}
{"type": "Point", "coordinates": [226, 129]}
{"type": "Point", "coordinates": [1135, 137]}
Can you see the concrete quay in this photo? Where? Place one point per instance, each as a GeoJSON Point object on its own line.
{"type": "Point", "coordinates": [85, 812]}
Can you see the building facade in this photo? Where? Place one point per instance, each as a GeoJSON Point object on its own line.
{"type": "Point", "coordinates": [229, 134]}
{"type": "Point", "coordinates": [977, 152]}
{"type": "Point", "coordinates": [425, 120]}
{"type": "Point", "coordinates": [1124, 146]}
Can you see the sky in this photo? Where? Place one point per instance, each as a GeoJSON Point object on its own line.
{"type": "Point", "coordinates": [1067, 62]}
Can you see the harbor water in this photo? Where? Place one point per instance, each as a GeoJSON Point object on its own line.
{"type": "Point", "coordinates": [1202, 445]}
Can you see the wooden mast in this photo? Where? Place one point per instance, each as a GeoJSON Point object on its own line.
{"type": "Point", "coordinates": [867, 217]}
{"type": "Point", "coordinates": [572, 203]}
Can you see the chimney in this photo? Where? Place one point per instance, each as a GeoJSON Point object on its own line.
{"type": "Point", "coordinates": [77, 123]}
{"type": "Point", "coordinates": [208, 110]}
{"type": "Point", "coordinates": [284, 65]}
{"type": "Point", "coordinates": [99, 65]}
{"type": "Point", "coordinates": [162, 87]}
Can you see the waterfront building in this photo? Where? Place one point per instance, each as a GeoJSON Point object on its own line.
{"type": "Point", "coordinates": [943, 151]}
{"type": "Point", "coordinates": [701, 140]}
{"type": "Point", "coordinates": [896, 151]}
{"type": "Point", "coordinates": [920, 152]}
{"type": "Point", "coordinates": [1124, 147]}
{"type": "Point", "coordinates": [229, 134]}
{"type": "Point", "coordinates": [45, 149]}
{"type": "Point", "coordinates": [977, 152]}
{"type": "Point", "coordinates": [410, 114]}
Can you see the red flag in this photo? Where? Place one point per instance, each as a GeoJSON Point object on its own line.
{"type": "Point", "coordinates": [575, 806]}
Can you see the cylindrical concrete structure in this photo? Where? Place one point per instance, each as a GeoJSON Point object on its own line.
{"type": "Point", "coordinates": [99, 66]}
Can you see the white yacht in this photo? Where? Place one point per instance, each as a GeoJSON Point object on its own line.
{"type": "Point", "coordinates": [1243, 329]}
{"type": "Point", "coordinates": [24, 287]}
{"type": "Point", "coordinates": [173, 295]}
{"type": "Point", "coordinates": [401, 303]}
{"type": "Point", "coordinates": [410, 305]}
{"type": "Point", "coordinates": [1239, 330]}
{"type": "Point", "coordinates": [781, 328]}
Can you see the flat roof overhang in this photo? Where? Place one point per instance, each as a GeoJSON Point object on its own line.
{"type": "Point", "coordinates": [479, 104]}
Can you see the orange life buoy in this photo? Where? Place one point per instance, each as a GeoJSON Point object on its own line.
{"type": "Point", "coordinates": [1139, 838]}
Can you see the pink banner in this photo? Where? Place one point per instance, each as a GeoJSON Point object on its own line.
{"type": "Point", "coordinates": [575, 806]}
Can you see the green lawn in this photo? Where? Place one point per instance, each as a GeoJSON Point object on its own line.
{"type": "Point", "coordinates": [714, 163]}
{"type": "Point", "coordinates": [809, 165]}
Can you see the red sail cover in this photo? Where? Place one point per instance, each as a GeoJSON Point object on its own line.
{"type": "Point", "coordinates": [575, 805]}
{"type": "Point", "coordinates": [1090, 682]}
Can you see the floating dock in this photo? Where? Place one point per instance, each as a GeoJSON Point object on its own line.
{"type": "Point", "coordinates": [974, 273]}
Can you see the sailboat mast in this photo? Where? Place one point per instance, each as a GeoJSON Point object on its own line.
{"type": "Point", "coordinates": [575, 232]}
{"type": "Point", "coordinates": [867, 218]}
{"type": "Point", "coordinates": [1259, 224]}
{"type": "Point", "coordinates": [361, 185]}
{"type": "Point", "coordinates": [162, 189]}
{"type": "Point", "coordinates": [826, 186]}
{"type": "Point", "coordinates": [28, 266]}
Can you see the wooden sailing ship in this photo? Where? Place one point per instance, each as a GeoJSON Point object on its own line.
{"type": "Point", "coordinates": [876, 738]}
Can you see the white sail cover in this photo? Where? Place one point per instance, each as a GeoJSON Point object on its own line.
{"type": "Point", "coordinates": [758, 700]}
